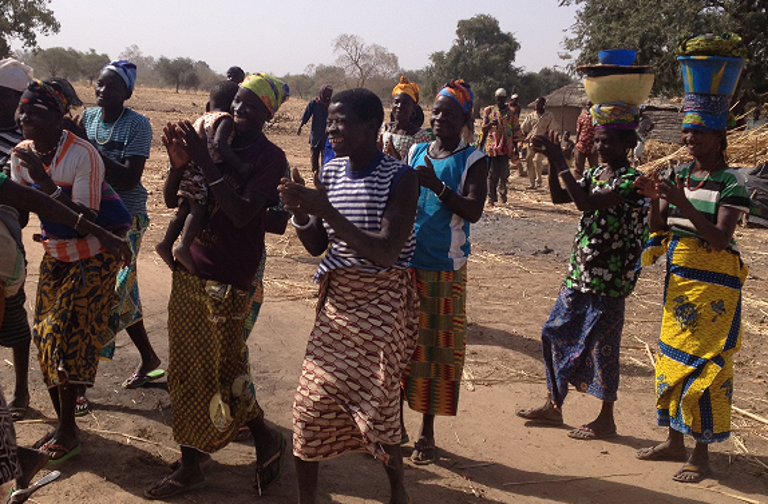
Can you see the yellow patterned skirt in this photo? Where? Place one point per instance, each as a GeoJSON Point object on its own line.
{"type": "Point", "coordinates": [700, 333]}
{"type": "Point", "coordinates": [209, 373]}
{"type": "Point", "coordinates": [432, 379]}
{"type": "Point", "coordinates": [73, 304]}
{"type": "Point", "coordinates": [348, 397]}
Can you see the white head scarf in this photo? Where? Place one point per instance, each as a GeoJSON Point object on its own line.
{"type": "Point", "coordinates": [15, 74]}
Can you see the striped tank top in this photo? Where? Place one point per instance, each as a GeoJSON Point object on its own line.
{"type": "Point", "coordinates": [361, 197]}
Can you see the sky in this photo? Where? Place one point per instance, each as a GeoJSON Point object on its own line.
{"type": "Point", "coordinates": [288, 35]}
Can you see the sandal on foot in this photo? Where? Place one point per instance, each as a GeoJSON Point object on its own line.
{"type": "Point", "coordinates": [138, 380]}
{"type": "Point", "coordinates": [204, 462]}
{"type": "Point", "coordinates": [690, 473]}
{"type": "Point", "coordinates": [263, 478]}
{"type": "Point", "coordinates": [656, 454]}
{"type": "Point", "coordinates": [43, 440]}
{"type": "Point", "coordinates": [540, 416]}
{"type": "Point", "coordinates": [18, 412]}
{"type": "Point", "coordinates": [587, 433]}
{"type": "Point", "coordinates": [82, 406]}
{"type": "Point", "coordinates": [423, 453]}
{"type": "Point", "coordinates": [60, 453]}
{"type": "Point", "coordinates": [169, 487]}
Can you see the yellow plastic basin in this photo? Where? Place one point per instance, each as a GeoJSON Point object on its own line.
{"type": "Point", "coordinates": [632, 89]}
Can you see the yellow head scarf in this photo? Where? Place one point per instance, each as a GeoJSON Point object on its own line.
{"type": "Point", "coordinates": [409, 88]}
{"type": "Point", "coordinates": [272, 91]}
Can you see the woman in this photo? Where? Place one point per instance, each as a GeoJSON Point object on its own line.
{"type": "Point", "coordinates": [581, 339]}
{"type": "Point", "coordinates": [452, 176]}
{"type": "Point", "coordinates": [365, 331]}
{"type": "Point", "coordinates": [123, 138]}
{"type": "Point", "coordinates": [212, 393]}
{"type": "Point", "coordinates": [19, 462]}
{"type": "Point", "coordinates": [693, 218]}
{"type": "Point", "coordinates": [75, 293]}
{"type": "Point", "coordinates": [396, 137]}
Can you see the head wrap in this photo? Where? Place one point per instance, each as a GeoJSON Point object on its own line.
{"type": "Point", "coordinates": [52, 94]}
{"type": "Point", "coordinates": [703, 111]}
{"type": "Point", "coordinates": [15, 74]}
{"type": "Point", "coordinates": [271, 90]}
{"type": "Point", "coordinates": [460, 92]}
{"type": "Point", "coordinates": [500, 92]}
{"type": "Point", "coordinates": [321, 98]}
{"type": "Point", "coordinates": [124, 69]}
{"type": "Point", "coordinates": [616, 115]}
{"type": "Point", "coordinates": [407, 87]}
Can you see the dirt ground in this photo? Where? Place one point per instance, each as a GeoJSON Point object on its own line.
{"type": "Point", "coordinates": [520, 253]}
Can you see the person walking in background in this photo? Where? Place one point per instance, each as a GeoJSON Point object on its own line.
{"type": "Point", "coordinates": [514, 105]}
{"type": "Point", "coordinates": [14, 329]}
{"type": "Point", "coordinates": [500, 132]}
{"type": "Point", "coordinates": [452, 175]}
{"type": "Point", "coordinates": [317, 110]}
{"type": "Point", "coordinates": [585, 142]}
{"type": "Point", "coordinates": [123, 138]}
{"type": "Point", "coordinates": [361, 217]}
{"type": "Point", "coordinates": [397, 136]}
{"type": "Point", "coordinates": [643, 130]}
{"type": "Point", "coordinates": [538, 123]}
{"type": "Point", "coordinates": [235, 74]}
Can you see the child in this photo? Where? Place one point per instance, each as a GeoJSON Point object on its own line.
{"type": "Point", "coordinates": [217, 126]}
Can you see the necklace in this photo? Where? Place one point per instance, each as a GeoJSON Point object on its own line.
{"type": "Point", "coordinates": [43, 155]}
{"type": "Point", "coordinates": [688, 182]}
{"type": "Point", "coordinates": [111, 130]}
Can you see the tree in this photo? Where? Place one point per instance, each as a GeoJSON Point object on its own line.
{"type": "Point", "coordinates": [91, 64]}
{"type": "Point", "coordinates": [179, 72]}
{"type": "Point", "coordinates": [531, 85]}
{"type": "Point", "coordinates": [21, 20]}
{"type": "Point", "coordinates": [652, 27]}
{"type": "Point", "coordinates": [57, 62]}
{"type": "Point", "coordinates": [145, 65]}
{"type": "Point", "coordinates": [327, 74]}
{"type": "Point", "coordinates": [300, 84]}
{"type": "Point", "coordinates": [482, 55]}
{"type": "Point", "coordinates": [363, 62]}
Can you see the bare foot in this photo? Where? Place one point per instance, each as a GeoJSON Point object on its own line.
{"type": "Point", "coordinates": [31, 462]}
{"type": "Point", "coordinates": [184, 256]}
{"type": "Point", "coordinates": [165, 252]}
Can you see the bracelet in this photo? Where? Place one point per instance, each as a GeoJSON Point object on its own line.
{"type": "Point", "coordinates": [300, 226]}
{"type": "Point", "coordinates": [57, 193]}
{"type": "Point", "coordinates": [560, 174]}
{"type": "Point", "coordinates": [217, 181]}
{"type": "Point", "coordinates": [442, 193]}
{"type": "Point", "coordinates": [77, 223]}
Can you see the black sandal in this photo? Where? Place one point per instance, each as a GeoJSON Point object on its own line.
{"type": "Point", "coordinates": [264, 478]}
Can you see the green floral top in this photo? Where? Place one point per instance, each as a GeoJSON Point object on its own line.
{"type": "Point", "coordinates": [605, 258]}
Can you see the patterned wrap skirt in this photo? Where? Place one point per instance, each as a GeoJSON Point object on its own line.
{"type": "Point", "coordinates": [348, 397]}
{"type": "Point", "coordinates": [127, 310]}
{"type": "Point", "coordinates": [74, 300]}
{"type": "Point", "coordinates": [580, 343]}
{"type": "Point", "coordinates": [10, 468]}
{"type": "Point", "coordinates": [14, 328]}
{"type": "Point", "coordinates": [432, 379]}
{"type": "Point", "coordinates": [209, 372]}
{"type": "Point", "coordinates": [700, 333]}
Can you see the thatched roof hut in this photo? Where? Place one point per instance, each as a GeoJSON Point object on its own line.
{"type": "Point", "coordinates": [567, 103]}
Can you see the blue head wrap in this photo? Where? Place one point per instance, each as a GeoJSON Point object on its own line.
{"type": "Point", "coordinates": [124, 69]}
{"type": "Point", "coordinates": [460, 92]}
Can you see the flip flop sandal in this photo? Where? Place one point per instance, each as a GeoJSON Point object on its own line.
{"type": "Point", "coordinates": [203, 464]}
{"type": "Point", "coordinates": [423, 453]}
{"type": "Point", "coordinates": [82, 406]}
{"type": "Point", "coordinates": [655, 455]}
{"type": "Point", "coordinates": [21, 495]}
{"type": "Point", "coordinates": [137, 380]}
{"type": "Point", "coordinates": [699, 473]}
{"type": "Point", "coordinates": [585, 433]}
{"type": "Point", "coordinates": [261, 484]}
{"type": "Point", "coordinates": [169, 487]}
{"type": "Point", "coordinates": [64, 453]}
{"type": "Point", "coordinates": [43, 440]}
{"type": "Point", "coordinates": [18, 412]}
{"type": "Point", "coordinates": [535, 415]}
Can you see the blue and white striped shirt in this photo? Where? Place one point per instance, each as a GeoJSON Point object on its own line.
{"type": "Point", "coordinates": [361, 197]}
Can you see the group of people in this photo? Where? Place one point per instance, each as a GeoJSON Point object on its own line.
{"type": "Point", "coordinates": [390, 213]}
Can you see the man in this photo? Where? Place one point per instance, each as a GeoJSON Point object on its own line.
{"type": "Point", "coordinates": [644, 128]}
{"type": "Point", "coordinates": [317, 110]}
{"type": "Point", "coordinates": [500, 132]}
{"type": "Point", "coordinates": [585, 141]}
{"type": "Point", "coordinates": [537, 124]}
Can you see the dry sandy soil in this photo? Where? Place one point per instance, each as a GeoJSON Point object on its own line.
{"type": "Point", "coordinates": [519, 258]}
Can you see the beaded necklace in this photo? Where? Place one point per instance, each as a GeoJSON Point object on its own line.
{"type": "Point", "coordinates": [111, 130]}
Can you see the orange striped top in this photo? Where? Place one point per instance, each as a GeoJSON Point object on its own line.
{"type": "Point", "coordinates": [76, 165]}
